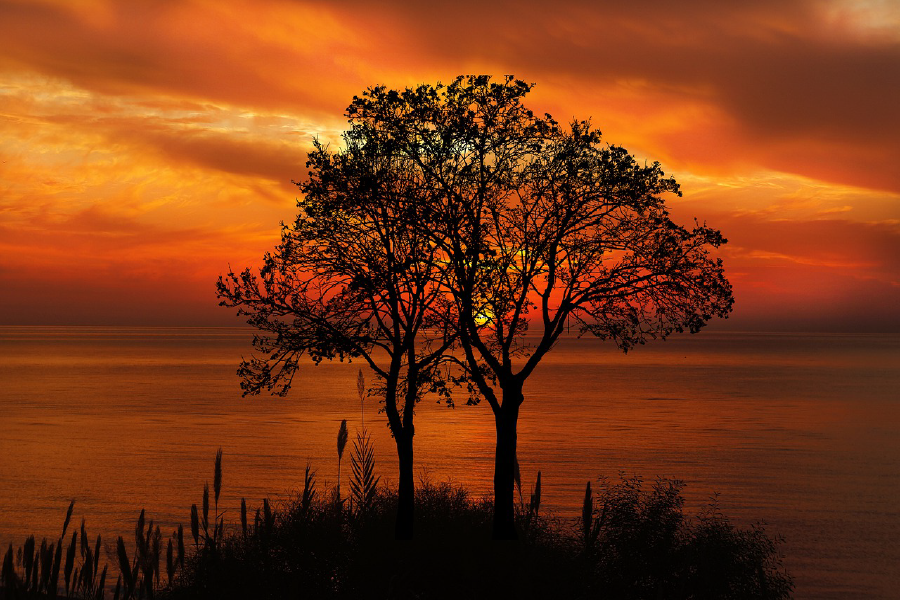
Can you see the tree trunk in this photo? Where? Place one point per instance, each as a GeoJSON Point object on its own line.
{"type": "Point", "coordinates": [505, 465]}
{"type": "Point", "coordinates": [406, 492]}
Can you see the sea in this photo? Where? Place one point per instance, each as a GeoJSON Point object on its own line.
{"type": "Point", "coordinates": [799, 433]}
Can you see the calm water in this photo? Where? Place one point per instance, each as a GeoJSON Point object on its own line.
{"type": "Point", "coordinates": [799, 431]}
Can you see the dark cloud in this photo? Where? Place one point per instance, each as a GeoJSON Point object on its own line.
{"type": "Point", "coordinates": [788, 76]}
{"type": "Point", "coordinates": [278, 161]}
{"type": "Point", "coordinates": [863, 250]}
{"type": "Point", "coordinates": [781, 71]}
{"type": "Point", "coordinates": [163, 48]}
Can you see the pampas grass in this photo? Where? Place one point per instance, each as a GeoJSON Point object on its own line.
{"type": "Point", "coordinates": [40, 566]}
{"type": "Point", "coordinates": [361, 390]}
{"type": "Point", "coordinates": [364, 484]}
{"type": "Point", "coordinates": [341, 444]}
{"type": "Point", "coordinates": [309, 489]}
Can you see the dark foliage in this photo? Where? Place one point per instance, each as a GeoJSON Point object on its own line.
{"type": "Point", "coordinates": [639, 545]}
{"type": "Point", "coordinates": [538, 225]}
{"type": "Point", "coordinates": [353, 278]}
{"type": "Point", "coordinates": [629, 543]}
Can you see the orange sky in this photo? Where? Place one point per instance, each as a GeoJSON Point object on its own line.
{"type": "Point", "coordinates": [148, 144]}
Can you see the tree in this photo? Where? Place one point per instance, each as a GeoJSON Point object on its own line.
{"type": "Point", "coordinates": [539, 225]}
{"type": "Point", "coordinates": [352, 279]}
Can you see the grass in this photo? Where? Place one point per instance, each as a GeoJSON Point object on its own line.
{"type": "Point", "coordinates": [633, 540]}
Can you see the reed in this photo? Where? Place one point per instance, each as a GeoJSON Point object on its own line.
{"type": "Point", "coordinates": [217, 486]}
{"type": "Point", "coordinates": [68, 519]}
{"type": "Point", "coordinates": [207, 534]}
{"type": "Point", "coordinates": [361, 390]}
{"type": "Point", "coordinates": [341, 444]}
{"type": "Point", "coordinates": [590, 527]}
{"type": "Point", "coordinates": [244, 517]}
{"type": "Point", "coordinates": [54, 574]}
{"type": "Point", "coordinates": [8, 577]}
{"type": "Point", "coordinates": [205, 521]}
{"type": "Point", "coordinates": [268, 517]}
{"type": "Point", "coordinates": [126, 573]}
{"type": "Point", "coordinates": [528, 515]}
{"type": "Point", "coordinates": [180, 540]}
{"type": "Point", "coordinates": [517, 480]}
{"type": "Point", "coordinates": [40, 567]}
{"type": "Point", "coordinates": [170, 560]}
{"type": "Point", "coordinates": [364, 484]}
{"type": "Point", "coordinates": [70, 560]}
{"type": "Point", "coordinates": [217, 477]}
{"type": "Point", "coordinates": [535, 504]}
{"type": "Point", "coordinates": [309, 489]}
{"type": "Point", "coordinates": [195, 526]}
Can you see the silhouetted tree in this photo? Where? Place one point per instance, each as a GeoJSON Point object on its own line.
{"type": "Point", "coordinates": [538, 225]}
{"type": "Point", "coordinates": [353, 278]}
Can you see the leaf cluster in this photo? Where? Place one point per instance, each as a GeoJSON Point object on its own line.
{"type": "Point", "coordinates": [454, 217]}
{"type": "Point", "coordinates": [539, 223]}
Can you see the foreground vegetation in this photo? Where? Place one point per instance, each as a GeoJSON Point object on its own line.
{"type": "Point", "coordinates": [632, 541]}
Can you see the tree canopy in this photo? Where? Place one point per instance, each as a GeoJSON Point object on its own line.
{"type": "Point", "coordinates": [352, 279]}
{"type": "Point", "coordinates": [539, 225]}
{"type": "Point", "coordinates": [456, 215]}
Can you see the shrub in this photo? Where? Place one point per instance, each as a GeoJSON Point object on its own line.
{"type": "Point", "coordinates": [632, 542]}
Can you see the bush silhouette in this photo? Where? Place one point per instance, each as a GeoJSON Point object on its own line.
{"type": "Point", "coordinates": [641, 545]}
{"type": "Point", "coordinates": [632, 542]}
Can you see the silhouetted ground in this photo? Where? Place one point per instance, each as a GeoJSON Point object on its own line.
{"type": "Point", "coordinates": [636, 544]}
{"type": "Point", "coordinates": [633, 541]}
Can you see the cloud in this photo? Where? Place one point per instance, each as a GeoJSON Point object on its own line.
{"type": "Point", "coordinates": [794, 86]}
{"type": "Point", "coordinates": [266, 146]}
{"type": "Point", "coordinates": [71, 299]}
{"type": "Point", "coordinates": [185, 49]}
{"type": "Point", "coordinates": [98, 267]}
{"type": "Point", "coordinates": [146, 144]}
{"type": "Point", "coordinates": [781, 85]}
{"type": "Point", "coordinates": [821, 274]}
{"type": "Point", "coordinates": [861, 250]}
{"type": "Point", "coordinates": [275, 160]}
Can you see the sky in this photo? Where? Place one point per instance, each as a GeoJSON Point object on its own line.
{"type": "Point", "coordinates": [145, 146]}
